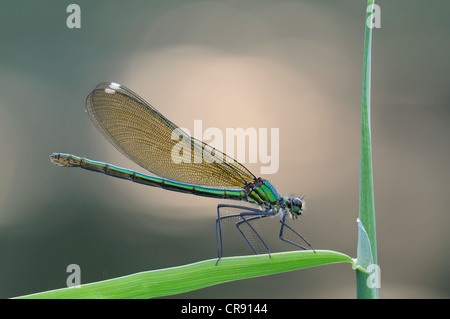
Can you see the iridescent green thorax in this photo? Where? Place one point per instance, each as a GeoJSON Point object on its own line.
{"type": "Point", "coordinates": [263, 193]}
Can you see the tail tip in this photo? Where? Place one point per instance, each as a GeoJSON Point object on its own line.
{"type": "Point", "coordinates": [58, 160]}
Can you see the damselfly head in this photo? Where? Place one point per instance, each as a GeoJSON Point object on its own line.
{"type": "Point", "coordinates": [296, 207]}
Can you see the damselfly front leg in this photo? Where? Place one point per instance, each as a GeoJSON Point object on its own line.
{"type": "Point", "coordinates": [283, 224]}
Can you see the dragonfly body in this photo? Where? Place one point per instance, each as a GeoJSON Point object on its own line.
{"type": "Point", "coordinates": [261, 192]}
{"type": "Point", "coordinates": [144, 135]}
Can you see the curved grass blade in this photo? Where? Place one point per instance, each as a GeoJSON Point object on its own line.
{"type": "Point", "coordinates": [176, 280]}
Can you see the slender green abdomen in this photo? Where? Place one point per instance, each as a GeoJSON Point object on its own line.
{"type": "Point", "coordinates": [67, 160]}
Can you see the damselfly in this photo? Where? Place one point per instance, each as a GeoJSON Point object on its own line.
{"type": "Point", "coordinates": [145, 136]}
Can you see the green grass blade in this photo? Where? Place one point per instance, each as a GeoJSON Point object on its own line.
{"type": "Point", "coordinates": [176, 280]}
{"type": "Point", "coordinates": [367, 249]}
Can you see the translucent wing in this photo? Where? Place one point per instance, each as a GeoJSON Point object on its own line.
{"type": "Point", "coordinates": [145, 136]}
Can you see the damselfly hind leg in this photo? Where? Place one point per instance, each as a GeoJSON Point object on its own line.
{"type": "Point", "coordinates": [283, 224]}
{"type": "Point", "coordinates": [245, 216]}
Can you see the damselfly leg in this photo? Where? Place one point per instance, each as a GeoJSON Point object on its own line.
{"type": "Point", "coordinates": [283, 224]}
{"type": "Point", "coordinates": [246, 215]}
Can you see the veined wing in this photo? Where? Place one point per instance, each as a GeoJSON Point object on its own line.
{"type": "Point", "coordinates": [145, 136]}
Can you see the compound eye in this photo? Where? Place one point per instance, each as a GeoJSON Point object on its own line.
{"type": "Point", "coordinates": [297, 202]}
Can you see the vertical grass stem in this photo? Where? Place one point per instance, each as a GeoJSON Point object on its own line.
{"type": "Point", "coordinates": [364, 290]}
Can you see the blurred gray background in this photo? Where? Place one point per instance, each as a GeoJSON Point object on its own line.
{"type": "Point", "coordinates": [292, 65]}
